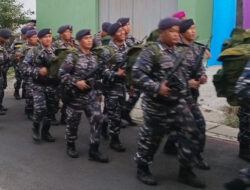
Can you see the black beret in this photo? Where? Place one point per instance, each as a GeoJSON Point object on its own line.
{"type": "Point", "coordinates": [168, 23]}
{"type": "Point", "coordinates": [30, 33]}
{"type": "Point", "coordinates": [113, 28]}
{"type": "Point", "coordinates": [44, 32]}
{"type": "Point", "coordinates": [123, 21]}
{"type": "Point", "coordinates": [64, 28]}
{"type": "Point", "coordinates": [82, 33]}
{"type": "Point", "coordinates": [105, 26]}
{"type": "Point", "coordinates": [185, 25]}
{"type": "Point", "coordinates": [5, 33]}
{"type": "Point", "coordinates": [26, 29]}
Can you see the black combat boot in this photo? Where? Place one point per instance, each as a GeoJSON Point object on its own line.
{"type": "Point", "coordinates": [126, 117]}
{"type": "Point", "coordinates": [71, 150]}
{"type": "Point", "coordinates": [236, 184]}
{"type": "Point", "coordinates": [2, 111]}
{"type": "Point", "coordinates": [244, 152]}
{"type": "Point", "coordinates": [105, 130]}
{"type": "Point", "coordinates": [3, 108]}
{"type": "Point", "coordinates": [46, 136]}
{"type": "Point", "coordinates": [187, 177]}
{"type": "Point", "coordinates": [201, 163]}
{"type": "Point", "coordinates": [170, 148]}
{"type": "Point", "coordinates": [54, 121]}
{"type": "Point", "coordinates": [116, 145]}
{"type": "Point", "coordinates": [36, 132]}
{"type": "Point", "coordinates": [16, 95]}
{"type": "Point", "coordinates": [144, 174]}
{"type": "Point", "coordinates": [95, 155]}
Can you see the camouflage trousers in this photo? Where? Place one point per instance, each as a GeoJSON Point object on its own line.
{"type": "Point", "coordinates": [244, 127]}
{"type": "Point", "coordinates": [29, 96]}
{"type": "Point", "coordinates": [159, 120]}
{"type": "Point", "coordinates": [94, 115]}
{"type": "Point", "coordinates": [1, 89]}
{"type": "Point", "coordinates": [19, 80]}
{"type": "Point", "coordinates": [133, 98]}
{"type": "Point", "coordinates": [113, 110]}
{"type": "Point", "coordinates": [45, 100]}
{"type": "Point", "coordinates": [200, 124]}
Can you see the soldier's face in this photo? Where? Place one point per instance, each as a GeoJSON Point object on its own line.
{"type": "Point", "coordinates": [66, 35]}
{"type": "Point", "coordinates": [32, 40]}
{"type": "Point", "coordinates": [127, 28]}
{"type": "Point", "coordinates": [171, 36]}
{"type": "Point", "coordinates": [120, 34]}
{"type": "Point", "coordinates": [86, 42]}
{"type": "Point", "coordinates": [190, 34]}
{"type": "Point", "coordinates": [46, 41]}
{"type": "Point", "coordinates": [3, 40]}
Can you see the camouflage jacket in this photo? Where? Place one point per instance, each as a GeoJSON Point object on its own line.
{"type": "Point", "coordinates": [4, 59]}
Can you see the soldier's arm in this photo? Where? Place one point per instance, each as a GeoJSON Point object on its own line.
{"type": "Point", "coordinates": [142, 71]}
{"type": "Point", "coordinates": [65, 72]}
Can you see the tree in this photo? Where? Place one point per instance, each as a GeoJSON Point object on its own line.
{"type": "Point", "coordinates": [12, 14]}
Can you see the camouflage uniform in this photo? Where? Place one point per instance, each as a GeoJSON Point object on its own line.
{"type": "Point", "coordinates": [27, 79]}
{"type": "Point", "coordinates": [15, 63]}
{"type": "Point", "coordinates": [45, 89]}
{"type": "Point", "coordinates": [86, 101]}
{"type": "Point", "coordinates": [4, 60]}
{"type": "Point", "coordinates": [97, 40]}
{"type": "Point", "coordinates": [163, 115]}
{"type": "Point", "coordinates": [61, 44]}
{"type": "Point", "coordinates": [114, 89]}
{"type": "Point", "coordinates": [243, 91]}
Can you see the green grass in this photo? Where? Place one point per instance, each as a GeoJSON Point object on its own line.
{"type": "Point", "coordinates": [231, 118]}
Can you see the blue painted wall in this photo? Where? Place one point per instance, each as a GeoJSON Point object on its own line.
{"type": "Point", "coordinates": [224, 20]}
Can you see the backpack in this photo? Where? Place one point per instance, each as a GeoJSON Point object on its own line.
{"type": "Point", "coordinates": [133, 54]}
{"type": "Point", "coordinates": [60, 56]}
{"type": "Point", "coordinates": [233, 62]}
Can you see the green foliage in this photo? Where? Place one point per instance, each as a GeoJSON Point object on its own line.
{"type": "Point", "coordinates": [12, 14]}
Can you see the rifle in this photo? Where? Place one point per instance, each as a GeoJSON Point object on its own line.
{"type": "Point", "coordinates": [141, 41]}
{"type": "Point", "coordinates": [198, 61]}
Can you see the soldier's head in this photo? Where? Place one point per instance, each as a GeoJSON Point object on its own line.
{"type": "Point", "coordinates": [65, 32]}
{"type": "Point", "coordinates": [24, 30]}
{"type": "Point", "coordinates": [31, 36]}
{"type": "Point", "coordinates": [45, 37]}
{"type": "Point", "coordinates": [85, 39]}
{"type": "Point", "coordinates": [117, 32]}
{"type": "Point", "coordinates": [125, 24]}
{"type": "Point", "coordinates": [169, 31]}
{"type": "Point", "coordinates": [105, 28]}
{"type": "Point", "coordinates": [188, 30]}
{"type": "Point", "coordinates": [181, 15]}
{"type": "Point", "coordinates": [5, 35]}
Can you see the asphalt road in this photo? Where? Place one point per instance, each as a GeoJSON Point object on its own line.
{"type": "Point", "coordinates": [28, 166]}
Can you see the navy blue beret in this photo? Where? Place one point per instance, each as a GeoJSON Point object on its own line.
{"type": "Point", "coordinates": [5, 33]}
{"type": "Point", "coordinates": [105, 26]}
{"type": "Point", "coordinates": [82, 33]}
{"type": "Point", "coordinates": [123, 21]}
{"type": "Point", "coordinates": [30, 33]}
{"type": "Point", "coordinates": [168, 23]}
{"type": "Point", "coordinates": [44, 32]}
{"type": "Point", "coordinates": [113, 28]}
{"type": "Point", "coordinates": [64, 28]}
{"type": "Point", "coordinates": [185, 25]}
{"type": "Point", "coordinates": [26, 29]}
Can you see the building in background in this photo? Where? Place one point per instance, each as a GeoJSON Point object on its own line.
{"type": "Point", "coordinates": [212, 17]}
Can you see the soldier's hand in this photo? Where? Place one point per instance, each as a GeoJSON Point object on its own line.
{"type": "Point", "coordinates": [207, 54]}
{"type": "Point", "coordinates": [121, 73]}
{"type": "Point", "coordinates": [18, 55]}
{"type": "Point", "coordinates": [43, 71]}
{"type": "Point", "coordinates": [203, 80]}
{"type": "Point", "coordinates": [131, 91]}
{"type": "Point", "coordinates": [194, 84]}
{"type": "Point", "coordinates": [82, 85]}
{"type": "Point", "coordinates": [164, 90]}
{"type": "Point", "coordinates": [99, 98]}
